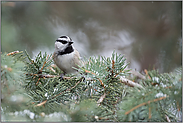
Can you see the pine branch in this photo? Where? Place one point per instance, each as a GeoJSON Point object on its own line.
{"type": "Point", "coordinates": [167, 118]}
{"type": "Point", "coordinates": [12, 53]}
{"type": "Point", "coordinates": [142, 104]}
{"type": "Point", "coordinates": [154, 97]}
{"type": "Point", "coordinates": [101, 99]}
{"type": "Point", "coordinates": [130, 83]}
{"type": "Point", "coordinates": [69, 89]}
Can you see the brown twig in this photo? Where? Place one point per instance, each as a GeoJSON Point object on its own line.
{"type": "Point", "coordinates": [48, 76]}
{"type": "Point", "coordinates": [130, 83]}
{"type": "Point", "coordinates": [142, 104]}
{"type": "Point", "coordinates": [38, 81]}
{"type": "Point", "coordinates": [40, 71]}
{"type": "Point", "coordinates": [113, 62]}
{"type": "Point", "coordinates": [42, 103]}
{"type": "Point", "coordinates": [123, 80]}
{"type": "Point", "coordinates": [14, 52]}
{"type": "Point", "coordinates": [44, 63]}
{"type": "Point", "coordinates": [147, 73]}
{"type": "Point", "coordinates": [167, 118]}
{"type": "Point", "coordinates": [149, 112]}
{"type": "Point", "coordinates": [51, 67]}
{"type": "Point", "coordinates": [101, 99]}
{"type": "Point", "coordinates": [87, 71]}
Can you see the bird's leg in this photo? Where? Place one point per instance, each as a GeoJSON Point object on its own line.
{"type": "Point", "coordinates": [61, 76]}
{"type": "Point", "coordinates": [83, 78]}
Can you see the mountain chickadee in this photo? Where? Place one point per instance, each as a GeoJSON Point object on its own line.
{"type": "Point", "coordinates": [65, 55]}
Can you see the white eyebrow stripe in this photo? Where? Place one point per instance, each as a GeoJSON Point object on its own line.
{"type": "Point", "coordinates": [69, 38]}
{"type": "Point", "coordinates": [65, 39]}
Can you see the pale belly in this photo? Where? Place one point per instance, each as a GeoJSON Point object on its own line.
{"type": "Point", "coordinates": [65, 63]}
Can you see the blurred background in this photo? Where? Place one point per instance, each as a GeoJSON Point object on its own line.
{"type": "Point", "coordinates": [148, 33]}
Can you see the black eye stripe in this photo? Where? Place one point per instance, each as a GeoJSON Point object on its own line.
{"type": "Point", "coordinates": [62, 41]}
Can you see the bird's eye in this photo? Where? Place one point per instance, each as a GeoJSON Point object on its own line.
{"type": "Point", "coordinates": [63, 42]}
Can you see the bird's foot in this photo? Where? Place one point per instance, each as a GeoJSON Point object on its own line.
{"type": "Point", "coordinates": [61, 76]}
{"type": "Point", "coordinates": [83, 78]}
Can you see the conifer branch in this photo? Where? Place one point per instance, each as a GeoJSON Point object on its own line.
{"type": "Point", "coordinates": [123, 80]}
{"type": "Point", "coordinates": [87, 71]}
{"type": "Point", "coordinates": [42, 103]}
{"type": "Point", "coordinates": [130, 83]}
{"type": "Point", "coordinates": [136, 73]}
{"type": "Point", "coordinates": [69, 88]}
{"type": "Point", "coordinates": [101, 99]}
{"type": "Point", "coordinates": [167, 118]}
{"type": "Point", "coordinates": [149, 113]}
{"type": "Point", "coordinates": [100, 72]}
{"type": "Point", "coordinates": [49, 76]}
{"type": "Point", "coordinates": [142, 104]}
{"type": "Point", "coordinates": [12, 53]}
{"type": "Point", "coordinates": [38, 81]}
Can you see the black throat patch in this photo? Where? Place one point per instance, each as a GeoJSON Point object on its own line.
{"type": "Point", "coordinates": [68, 50]}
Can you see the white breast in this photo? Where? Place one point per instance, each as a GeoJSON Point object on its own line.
{"type": "Point", "coordinates": [65, 62]}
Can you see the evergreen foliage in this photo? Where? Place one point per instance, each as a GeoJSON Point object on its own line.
{"type": "Point", "coordinates": [104, 90]}
{"type": "Point", "coordinates": [161, 98]}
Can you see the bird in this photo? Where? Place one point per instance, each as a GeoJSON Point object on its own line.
{"type": "Point", "coordinates": [65, 56]}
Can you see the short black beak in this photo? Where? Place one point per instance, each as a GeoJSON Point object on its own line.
{"type": "Point", "coordinates": [70, 42]}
